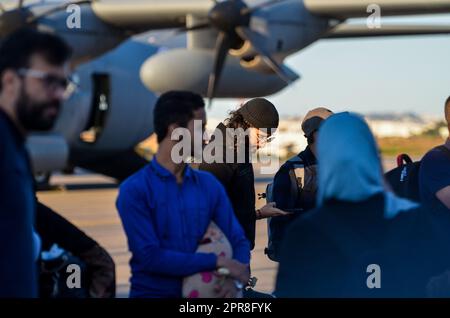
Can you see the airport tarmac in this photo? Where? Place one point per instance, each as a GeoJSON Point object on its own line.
{"type": "Point", "coordinates": [88, 200]}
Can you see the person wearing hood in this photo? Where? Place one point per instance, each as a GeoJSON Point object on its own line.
{"type": "Point", "coordinates": [361, 240]}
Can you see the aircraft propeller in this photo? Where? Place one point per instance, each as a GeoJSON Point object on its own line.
{"type": "Point", "coordinates": [232, 19]}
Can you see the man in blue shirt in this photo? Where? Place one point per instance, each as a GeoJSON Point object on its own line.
{"type": "Point", "coordinates": [167, 206]}
{"type": "Point", "coordinates": [33, 79]}
{"type": "Point", "coordinates": [434, 174]}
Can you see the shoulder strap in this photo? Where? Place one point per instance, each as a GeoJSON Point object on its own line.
{"type": "Point", "coordinates": [296, 160]}
{"type": "Point", "coordinates": [298, 166]}
{"type": "Point", "coordinates": [295, 171]}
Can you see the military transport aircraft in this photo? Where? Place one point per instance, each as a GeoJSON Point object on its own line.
{"type": "Point", "coordinates": [230, 48]}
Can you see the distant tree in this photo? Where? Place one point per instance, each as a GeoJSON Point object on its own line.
{"type": "Point", "coordinates": [435, 130]}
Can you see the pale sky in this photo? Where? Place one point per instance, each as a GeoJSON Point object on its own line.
{"type": "Point", "coordinates": [398, 74]}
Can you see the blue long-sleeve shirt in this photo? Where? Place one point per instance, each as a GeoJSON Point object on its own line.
{"type": "Point", "coordinates": [164, 222]}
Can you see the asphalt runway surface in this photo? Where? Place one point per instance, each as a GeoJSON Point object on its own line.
{"type": "Point", "coordinates": [88, 201]}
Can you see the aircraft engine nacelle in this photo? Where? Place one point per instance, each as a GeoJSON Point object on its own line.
{"type": "Point", "coordinates": [244, 51]}
{"type": "Point", "coordinates": [250, 59]}
{"type": "Point", "coordinates": [281, 30]}
{"type": "Point", "coordinates": [256, 63]}
{"type": "Point", "coordinates": [189, 69]}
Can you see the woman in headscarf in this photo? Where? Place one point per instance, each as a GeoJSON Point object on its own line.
{"type": "Point", "coordinates": [362, 240]}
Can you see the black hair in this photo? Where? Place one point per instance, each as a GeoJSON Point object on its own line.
{"type": "Point", "coordinates": [236, 120]}
{"type": "Point", "coordinates": [175, 107]}
{"type": "Point", "coordinates": [447, 101]}
{"type": "Point", "coordinates": [17, 49]}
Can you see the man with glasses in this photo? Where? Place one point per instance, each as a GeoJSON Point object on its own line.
{"type": "Point", "coordinates": [33, 82]}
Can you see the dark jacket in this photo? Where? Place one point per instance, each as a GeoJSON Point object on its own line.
{"type": "Point", "coordinates": [239, 182]}
{"type": "Point", "coordinates": [283, 198]}
{"type": "Point", "coordinates": [17, 212]}
{"type": "Point", "coordinates": [282, 182]}
{"type": "Point", "coordinates": [327, 252]}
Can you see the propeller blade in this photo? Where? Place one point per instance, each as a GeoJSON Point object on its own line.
{"type": "Point", "coordinates": [261, 6]}
{"type": "Point", "coordinates": [223, 44]}
{"type": "Point", "coordinates": [258, 44]}
{"type": "Point", "coordinates": [57, 9]}
{"type": "Point", "coordinates": [20, 4]}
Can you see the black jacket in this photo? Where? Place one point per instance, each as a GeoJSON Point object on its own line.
{"type": "Point", "coordinates": [327, 252]}
{"type": "Point", "coordinates": [282, 182]}
{"type": "Point", "coordinates": [239, 181]}
{"type": "Point", "coordinates": [282, 196]}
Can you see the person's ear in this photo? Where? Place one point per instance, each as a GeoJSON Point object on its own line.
{"type": "Point", "coordinates": [10, 82]}
{"type": "Point", "coordinates": [170, 131]}
{"type": "Point", "coordinates": [315, 136]}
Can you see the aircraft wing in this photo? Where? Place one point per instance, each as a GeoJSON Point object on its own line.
{"type": "Point", "coordinates": [158, 14]}
{"type": "Point", "coordinates": [357, 31]}
{"type": "Point", "coordinates": [344, 9]}
{"type": "Point", "coordinates": [150, 14]}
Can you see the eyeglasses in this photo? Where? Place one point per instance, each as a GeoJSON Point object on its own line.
{"type": "Point", "coordinates": [52, 82]}
{"type": "Point", "coordinates": [263, 137]}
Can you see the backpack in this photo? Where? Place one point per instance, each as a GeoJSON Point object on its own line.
{"type": "Point", "coordinates": [404, 180]}
{"type": "Point", "coordinates": [302, 182]}
{"type": "Point", "coordinates": [55, 274]}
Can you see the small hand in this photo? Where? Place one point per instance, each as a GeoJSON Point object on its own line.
{"type": "Point", "coordinates": [269, 210]}
{"type": "Point", "coordinates": [237, 270]}
{"type": "Point", "coordinates": [226, 288]}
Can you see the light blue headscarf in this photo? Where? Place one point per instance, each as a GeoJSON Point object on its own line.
{"type": "Point", "coordinates": [349, 164]}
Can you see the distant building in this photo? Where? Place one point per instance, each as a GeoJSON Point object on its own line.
{"type": "Point", "coordinates": [399, 125]}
